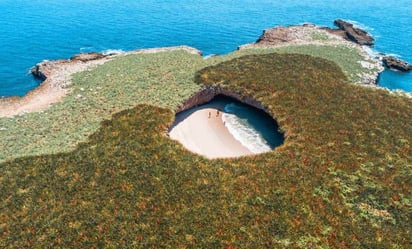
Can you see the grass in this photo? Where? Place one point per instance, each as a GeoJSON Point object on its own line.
{"type": "Point", "coordinates": [161, 79]}
{"type": "Point", "coordinates": [319, 36]}
{"type": "Point", "coordinates": [347, 57]}
{"type": "Point", "coordinates": [341, 180]}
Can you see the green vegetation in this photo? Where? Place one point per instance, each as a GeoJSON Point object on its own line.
{"type": "Point", "coordinates": [342, 179]}
{"type": "Point", "coordinates": [319, 36]}
{"type": "Point", "coordinates": [161, 79]}
{"type": "Point", "coordinates": [348, 58]}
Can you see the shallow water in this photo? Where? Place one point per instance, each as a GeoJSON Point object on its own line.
{"type": "Point", "coordinates": [252, 127]}
{"type": "Point", "coordinates": [34, 30]}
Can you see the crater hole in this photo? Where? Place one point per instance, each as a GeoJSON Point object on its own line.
{"type": "Point", "coordinates": [224, 127]}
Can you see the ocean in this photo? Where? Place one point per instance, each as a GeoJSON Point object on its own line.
{"type": "Point", "coordinates": [35, 30]}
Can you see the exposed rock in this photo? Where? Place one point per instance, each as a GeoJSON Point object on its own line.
{"type": "Point", "coordinates": [338, 32]}
{"type": "Point", "coordinates": [396, 64]}
{"type": "Point", "coordinates": [208, 93]}
{"type": "Point", "coordinates": [275, 36]}
{"type": "Point", "coordinates": [355, 34]}
{"type": "Point", "coordinates": [37, 72]}
{"type": "Point", "coordinates": [84, 57]}
{"type": "Point", "coordinates": [57, 77]}
{"type": "Point", "coordinates": [45, 68]}
{"type": "Point", "coordinates": [299, 34]}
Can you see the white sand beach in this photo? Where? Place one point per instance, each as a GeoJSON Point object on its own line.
{"type": "Point", "coordinates": [206, 136]}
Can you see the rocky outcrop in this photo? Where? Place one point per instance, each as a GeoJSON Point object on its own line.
{"type": "Point", "coordinates": [84, 57]}
{"type": "Point", "coordinates": [396, 64]}
{"type": "Point", "coordinates": [304, 33]}
{"type": "Point", "coordinates": [276, 36]}
{"type": "Point", "coordinates": [38, 73]}
{"type": "Point", "coordinates": [43, 69]}
{"type": "Point", "coordinates": [208, 93]}
{"type": "Point", "coordinates": [356, 35]}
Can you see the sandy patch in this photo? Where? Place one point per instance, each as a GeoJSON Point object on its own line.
{"type": "Point", "coordinates": [204, 135]}
{"type": "Point", "coordinates": [59, 76]}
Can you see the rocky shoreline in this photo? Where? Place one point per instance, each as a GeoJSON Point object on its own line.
{"type": "Point", "coordinates": [309, 34]}
{"type": "Point", "coordinates": [306, 34]}
{"type": "Point", "coordinates": [56, 75]}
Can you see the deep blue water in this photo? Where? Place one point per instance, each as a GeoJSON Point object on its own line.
{"type": "Point", "coordinates": [34, 30]}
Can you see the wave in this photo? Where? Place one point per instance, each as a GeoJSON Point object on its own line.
{"type": "Point", "coordinates": [112, 51]}
{"type": "Point", "coordinates": [377, 54]}
{"type": "Point", "coordinates": [242, 131]}
{"type": "Point", "coordinates": [86, 49]}
{"type": "Point", "coordinates": [209, 56]}
{"type": "Point", "coordinates": [372, 52]}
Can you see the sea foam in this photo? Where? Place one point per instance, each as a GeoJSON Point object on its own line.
{"type": "Point", "coordinates": [243, 131]}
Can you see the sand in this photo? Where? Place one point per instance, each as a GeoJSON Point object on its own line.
{"type": "Point", "coordinates": [206, 136]}
{"type": "Point", "coordinates": [59, 77]}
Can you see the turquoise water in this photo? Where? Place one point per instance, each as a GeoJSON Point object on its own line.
{"type": "Point", "coordinates": [34, 30]}
{"type": "Point", "coordinates": [252, 127]}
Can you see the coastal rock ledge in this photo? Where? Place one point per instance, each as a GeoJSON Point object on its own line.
{"type": "Point", "coordinates": [286, 35]}
{"type": "Point", "coordinates": [396, 64]}
{"type": "Point", "coordinates": [352, 33]}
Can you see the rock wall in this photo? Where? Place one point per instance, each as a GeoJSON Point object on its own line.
{"type": "Point", "coordinates": [208, 93]}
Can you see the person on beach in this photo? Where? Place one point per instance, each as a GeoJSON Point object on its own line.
{"type": "Point", "coordinates": [209, 114]}
{"type": "Point", "coordinates": [217, 113]}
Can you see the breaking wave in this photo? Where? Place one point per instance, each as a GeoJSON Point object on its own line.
{"type": "Point", "coordinates": [242, 130]}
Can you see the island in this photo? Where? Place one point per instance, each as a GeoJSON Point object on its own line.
{"type": "Point", "coordinates": [94, 165]}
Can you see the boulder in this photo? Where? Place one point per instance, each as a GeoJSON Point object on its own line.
{"type": "Point", "coordinates": [37, 72]}
{"type": "Point", "coordinates": [84, 57]}
{"type": "Point", "coordinates": [355, 34]}
{"type": "Point", "coordinates": [396, 64]}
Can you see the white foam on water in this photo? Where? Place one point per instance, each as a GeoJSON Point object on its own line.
{"type": "Point", "coordinates": [112, 52]}
{"type": "Point", "coordinates": [244, 133]}
{"type": "Point", "coordinates": [371, 52]}
{"type": "Point", "coordinates": [86, 49]}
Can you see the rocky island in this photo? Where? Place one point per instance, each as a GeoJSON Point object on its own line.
{"type": "Point", "coordinates": [96, 167]}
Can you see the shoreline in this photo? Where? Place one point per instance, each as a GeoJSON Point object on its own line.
{"type": "Point", "coordinates": [310, 34]}
{"type": "Point", "coordinates": [206, 136]}
{"type": "Point", "coordinates": [58, 73]}
{"type": "Point", "coordinates": [57, 76]}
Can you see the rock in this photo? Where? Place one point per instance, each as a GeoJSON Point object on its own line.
{"type": "Point", "coordinates": [396, 64]}
{"type": "Point", "coordinates": [37, 73]}
{"type": "Point", "coordinates": [276, 36]}
{"type": "Point", "coordinates": [84, 57]}
{"type": "Point", "coordinates": [209, 92]}
{"type": "Point", "coordinates": [355, 34]}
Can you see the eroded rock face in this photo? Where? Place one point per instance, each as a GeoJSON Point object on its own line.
{"type": "Point", "coordinates": [276, 36]}
{"type": "Point", "coordinates": [355, 34]}
{"type": "Point", "coordinates": [208, 93]}
{"type": "Point", "coordinates": [396, 64]}
{"type": "Point", "coordinates": [37, 72]}
{"type": "Point", "coordinates": [43, 69]}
